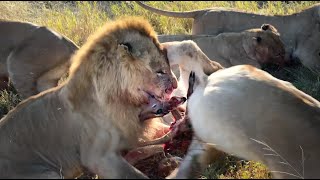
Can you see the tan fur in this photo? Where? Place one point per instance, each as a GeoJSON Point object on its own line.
{"type": "Point", "coordinates": [91, 117]}
{"type": "Point", "coordinates": [299, 31]}
{"type": "Point", "coordinates": [246, 112]}
{"type": "Point", "coordinates": [33, 57]}
{"type": "Point", "coordinates": [231, 49]}
{"type": "Point", "coordinates": [178, 52]}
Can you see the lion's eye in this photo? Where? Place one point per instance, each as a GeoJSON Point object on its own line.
{"type": "Point", "coordinates": [160, 111]}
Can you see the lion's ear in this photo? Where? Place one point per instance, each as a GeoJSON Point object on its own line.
{"type": "Point", "coordinates": [126, 47]}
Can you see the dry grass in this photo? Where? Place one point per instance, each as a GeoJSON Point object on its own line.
{"type": "Point", "coordinates": [170, 25]}
{"type": "Point", "coordinates": [76, 21]}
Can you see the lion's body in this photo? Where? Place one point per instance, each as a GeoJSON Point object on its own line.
{"type": "Point", "coordinates": [33, 57]}
{"type": "Point", "coordinates": [33, 136]}
{"type": "Point", "coordinates": [299, 32]}
{"type": "Point", "coordinates": [92, 116]}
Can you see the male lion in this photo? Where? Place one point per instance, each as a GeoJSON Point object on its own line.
{"type": "Point", "coordinates": [255, 47]}
{"type": "Point", "coordinates": [33, 57]}
{"type": "Point", "coordinates": [300, 31]}
{"type": "Point", "coordinates": [247, 112]}
{"type": "Point", "coordinates": [91, 117]}
{"type": "Point", "coordinates": [162, 133]}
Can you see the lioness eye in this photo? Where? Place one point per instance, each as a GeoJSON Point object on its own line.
{"type": "Point", "coordinates": [259, 39]}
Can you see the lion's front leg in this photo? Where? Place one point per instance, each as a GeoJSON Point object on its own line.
{"type": "Point", "coordinates": [114, 166]}
{"type": "Point", "coordinates": [101, 155]}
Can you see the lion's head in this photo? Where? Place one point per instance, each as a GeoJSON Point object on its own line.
{"type": "Point", "coordinates": [126, 62]}
{"type": "Point", "coordinates": [264, 45]}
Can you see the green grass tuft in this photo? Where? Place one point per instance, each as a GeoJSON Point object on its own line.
{"type": "Point", "coordinates": [8, 100]}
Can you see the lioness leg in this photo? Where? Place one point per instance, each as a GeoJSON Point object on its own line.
{"type": "Point", "coordinates": [33, 57]}
{"type": "Point", "coordinates": [199, 156]}
{"type": "Point", "coordinates": [50, 79]}
{"type": "Point", "coordinates": [21, 76]}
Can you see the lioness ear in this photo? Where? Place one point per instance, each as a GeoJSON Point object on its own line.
{"type": "Point", "coordinates": [265, 27]}
{"type": "Point", "coordinates": [212, 67]}
{"type": "Point", "coordinates": [269, 27]}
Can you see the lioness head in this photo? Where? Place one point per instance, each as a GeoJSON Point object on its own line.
{"type": "Point", "coordinates": [308, 50]}
{"type": "Point", "coordinates": [264, 45]}
{"type": "Point", "coordinates": [124, 61]}
{"type": "Point", "coordinates": [189, 56]}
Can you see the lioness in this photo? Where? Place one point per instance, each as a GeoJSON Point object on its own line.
{"type": "Point", "coordinates": [300, 31]}
{"type": "Point", "coordinates": [33, 57]}
{"type": "Point", "coordinates": [255, 47]}
{"type": "Point", "coordinates": [247, 112]}
{"type": "Point", "coordinates": [88, 119]}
